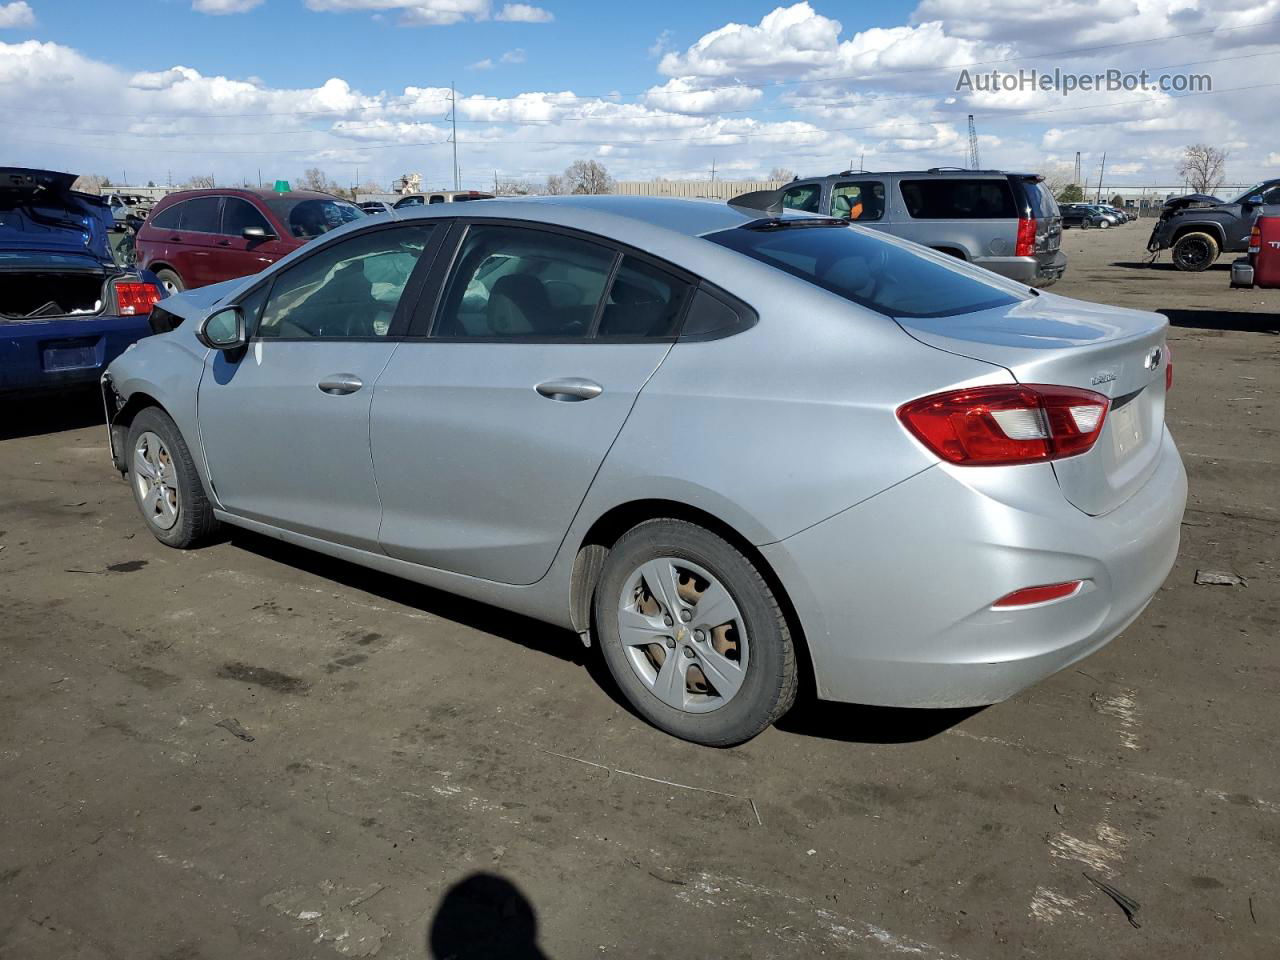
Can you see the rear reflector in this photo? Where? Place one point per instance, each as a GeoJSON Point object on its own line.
{"type": "Point", "coordinates": [136, 299]}
{"type": "Point", "coordinates": [1168, 368]}
{"type": "Point", "coordinates": [1005, 425]}
{"type": "Point", "coordinates": [1032, 595]}
{"type": "Point", "coordinates": [1026, 243]}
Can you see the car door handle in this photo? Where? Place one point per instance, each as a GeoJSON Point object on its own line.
{"type": "Point", "coordinates": [569, 389]}
{"type": "Point", "coordinates": [340, 384]}
{"type": "Point", "coordinates": [175, 239]}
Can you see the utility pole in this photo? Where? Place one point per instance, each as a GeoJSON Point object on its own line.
{"type": "Point", "coordinates": [713, 169]}
{"type": "Point", "coordinates": [862, 161]}
{"type": "Point", "coordinates": [973, 145]}
{"type": "Point", "coordinates": [1077, 176]}
{"type": "Point", "coordinates": [259, 178]}
{"type": "Point", "coordinates": [495, 183]}
{"type": "Point", "coordinates": [453, 116]}
{"type": "Point", "coordinates": [1101, 170]}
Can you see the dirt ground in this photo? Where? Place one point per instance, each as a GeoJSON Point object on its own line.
{"type": "Point", "coordinates": [428, 777]}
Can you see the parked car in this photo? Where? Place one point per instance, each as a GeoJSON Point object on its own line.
{"type": "Point", "coordinates": [441, 196]}
{"type": "Point", "coordinates": [198, 237]}
{"type": "Point", "coordinates": [123, 206]}
{"type": "Point", "coordinates": [66, 308]}
{"type": "Point", "coordinates": [1199, 228]}
{"type": "Point", "coordinates": [650, 420]}
{"type": "Point", "coordinates": [1121, 216]}
{"type": "Point", "coordinates": [372, 207]}
{"type": "Point", "coordinates": [1006, 222]}
{"type": "Point", "coordinates": [1086, 215]}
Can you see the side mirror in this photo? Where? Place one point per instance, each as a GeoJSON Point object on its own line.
{"type": "Point", "coordinates": [223, 330]}
{"type": "Point", "coordinates": [256, 233]}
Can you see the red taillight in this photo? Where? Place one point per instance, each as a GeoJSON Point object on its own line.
{"type": "Point", "coordinates": [1168, 368]}
{"type": "Point", "coordinates": [136, 299]}
{"type": "Point", "coordinates": [1026, 245]}
{"type": "Point", "coordinates": [1004, 425]}
{"type": "Point", "coordinates": [1032, 595]}
{"type": "Point", "coordinates": [1255, 239]}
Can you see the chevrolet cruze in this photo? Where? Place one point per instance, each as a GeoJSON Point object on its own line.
{"type": "Point", "coordinates": [724, 444]}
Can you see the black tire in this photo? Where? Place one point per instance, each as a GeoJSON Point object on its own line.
{"type": "Point", "coordinates": [195, 521]}
{"type": "Point", "coordinates": [1104, 224]}
{"type": "Point", "coordinates": [1085, 224]}
{"type": "Point", "coordinates": [771, 678]}
{"type": "Point", "coordinates": [170, 280]}
{"type": "Point", "coordinates": [1195, 251]}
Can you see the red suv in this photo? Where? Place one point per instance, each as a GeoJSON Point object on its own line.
{"type": "Point", "coordinates": [198, 237]}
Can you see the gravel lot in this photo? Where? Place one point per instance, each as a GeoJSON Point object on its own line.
{"type": "Point", "coordinates": [405, 741]}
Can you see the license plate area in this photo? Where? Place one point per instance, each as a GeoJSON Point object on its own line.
{"type": "Point", "coordinates": [79, 353]}
{"type": "Point", "coordinates": [1126, 430]}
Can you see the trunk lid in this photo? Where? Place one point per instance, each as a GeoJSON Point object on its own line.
{"type": "Point", "coordinates": [39, 212]}
{"type": "Point", "coordinates": [1113, 351]}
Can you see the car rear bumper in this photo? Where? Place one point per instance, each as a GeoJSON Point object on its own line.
{"type": "Point", "coordinates": [65, 353]}
{"type": "Point", "coordinates": [1038, 271]}
{"type": "Point", "coordinates": [894, 595]}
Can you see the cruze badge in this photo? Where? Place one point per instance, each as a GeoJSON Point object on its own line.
{"type": "Point", "coordinates": [1105, 377]}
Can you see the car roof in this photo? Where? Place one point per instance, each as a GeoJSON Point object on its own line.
{"type": "Point", "coordinates": [261, 194]}
{"type": "Point", "coordinates": [689, 217]}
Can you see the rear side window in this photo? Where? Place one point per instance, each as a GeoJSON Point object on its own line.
{"type": "Point", "coordinates": [409, 202]}
{"type": "Point", "coordinates": [868, 270]}
{"type": "Point", "coordinates": [201, 215]}
{"type": "Point", "coordinates": [238, 214]}
{"type": "Point", "coordinates": [518, 283]}
{"type": "Point", "coordinates": [952, 198]}
{"type": "Point", "coordinates": [169, 218]}
{"type": "Point", "coordinates": [804, 197]}
{"type": "Point", "coordinates": [860, 200]}
{"type": "Point", "coordinates": [642, 302]}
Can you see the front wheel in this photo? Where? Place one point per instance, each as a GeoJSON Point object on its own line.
{"type": "Point", "coordinates": [1105, 224]}
{"type": "Point", "coordinates": [166, 487]}
{"type": "Point", "coordinates": [693, 635]}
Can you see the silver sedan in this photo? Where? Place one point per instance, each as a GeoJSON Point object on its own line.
{"type": "Point", "coordinates": [722, 445]}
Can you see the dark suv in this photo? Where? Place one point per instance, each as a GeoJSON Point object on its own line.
{"type": "Point", "coordinates": [1006, 222]}
{"type": "Point", "coordinates": [197, 237]}
{"type": "Point", "coordinates": [1199, 228]}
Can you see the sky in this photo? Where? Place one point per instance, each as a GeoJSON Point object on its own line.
{"type": "Point", "coordinates": [162, 90]}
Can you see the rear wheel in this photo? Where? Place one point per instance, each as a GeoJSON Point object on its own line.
{"type": "Point", "coordinates": [1085, 224]}
{"type": "Point", "coordinates": [166, 487]}
{"type": "Point", "coordinates": [170, 280]}
{"type": "Point", "coordinates": [693, 635]}
{"type": "Point", "coordinates": [1195, 251]}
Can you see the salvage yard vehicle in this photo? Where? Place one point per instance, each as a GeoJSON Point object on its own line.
{"type": "Point", "coordinates": [66, 308]}
{"type": "Point", "coordinates": [440, 196]}
{"type": "Point", "coordinates": [725, 446]}
{"type": "Point", "coordinates": [1198, 228]}
{"type": "Point", "coordinates": [196, 237]}
{"type": "Point", "coordinates": [1086, 215]}
{"type": "Point", "coordinates": [1006, 222]}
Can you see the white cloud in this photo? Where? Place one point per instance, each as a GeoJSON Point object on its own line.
{"type": "Point", "coordinates": [17, 14]}
{"type": "Point", "coordinates": [513, 56]}
{"type": "Point", "coordinates": [661, 44]}
{"type": "Point", "coordinates": [681, 95]}
{"type": "Point", "coordinates": [524, 13]}
{"type": "Point", "coordinates": [485, 64]}
{"type": "Point", "coordinates": [220, 7]}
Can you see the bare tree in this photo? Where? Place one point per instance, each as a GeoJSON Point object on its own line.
{"type": "Point", "coordinates": [90, 183]}
{"type": "Point", "coordinates": [781, 173]}
{"type": "Point", "coordinates": [588, 176]}
{"type": "Point", "coordinates": [369, 186]}
{"type": "Point", "coordinates": [314, 178]}
{"type": "Point", "coordinates": [1058, 177]}
{"type": "Point", "coordinates": [513, 188]}
{"type": "Point", "coordinates": [201, 181]}
{"type": "Point", "coordinates": [555, 185]}
{"type": "Point", "coordinates": [1203, 167]}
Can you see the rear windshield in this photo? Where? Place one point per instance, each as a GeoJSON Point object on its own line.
{"type": "Point", "coordinates": [868, 270]}
{"type": "Point", "coordinates": [1040, 200]}
{"type": "Point", "coordinates": [312, 216]}
{"type": "Point", "coordinates": [953, 198]}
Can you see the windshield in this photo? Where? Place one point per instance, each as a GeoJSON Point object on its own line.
{"type": "Point", "coordinates": [1256, 188]}
{"type": "Point", "coordinates": [312, 216]}
{"type": "Point", "coordinates": [871, 271]}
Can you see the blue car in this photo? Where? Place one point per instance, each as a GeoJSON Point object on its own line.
{"type": "Point", "coordinates": [66, 308]}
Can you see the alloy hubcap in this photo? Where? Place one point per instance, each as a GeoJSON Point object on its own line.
{"type": "Point", "coordinates": [155, 481]}
{"type": "Point", "coordinates": [683, 635]}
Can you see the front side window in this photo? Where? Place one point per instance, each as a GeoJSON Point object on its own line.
{"type": "Point", "coordinates": [238, 215]}
{"type": "Point", "coordinates": [514, 282]}
{"type": "Point", "coordinates": [348, 290]}
{"type": "Point", "coordinates": [860, 200]}
{"type": "Point", "coordinates": [409, 202]}
{"type": "Point", "coordinates": [804, 197]}
{"type": "Point", "coordinates": [1271, 196]}
{"type": "Point", "coordinates": [312, 216]}
{"type": "Point", "coordinates": [200, 215]}
{"type": "Point", "coordinates": [952, 198]}
{"type": "Point", "coordinates": [869, 270]}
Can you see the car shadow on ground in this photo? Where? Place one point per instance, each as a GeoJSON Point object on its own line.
{"type": "Point", "coordinates": [1223, 266]}
{"type": "Point", "coordinates": [27, 416]}
{"type": "Point", "coordinates": [857, 723]}
{"type": "Point", "coordinates": [484, 917]}
{"type": "Point", "coordinates": [1210, 319]}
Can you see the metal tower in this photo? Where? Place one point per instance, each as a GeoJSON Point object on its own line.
{"type": "Point", "coordinates": [1077, 176]}
{"type": "Point", "coordinates": [973, 146]}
